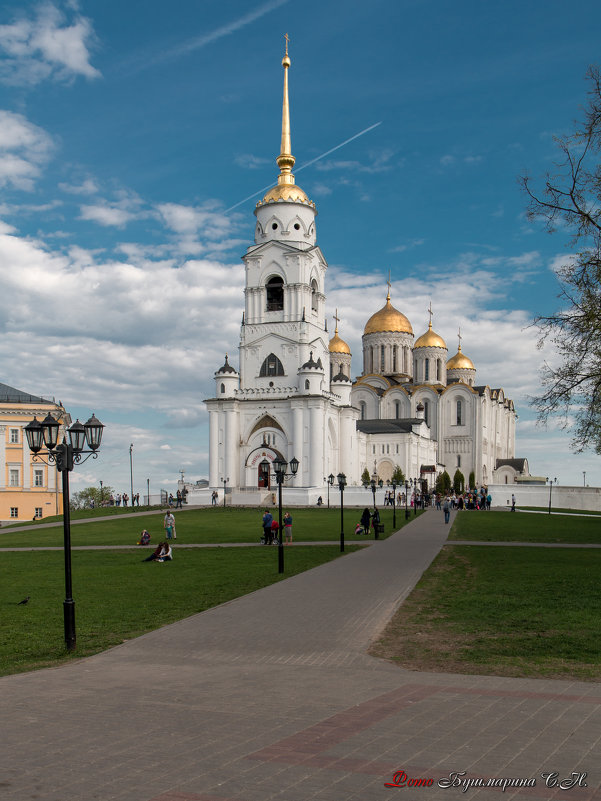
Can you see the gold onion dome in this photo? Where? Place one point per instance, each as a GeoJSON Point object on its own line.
{"type": "Point", "coordinates": [338, 345]}
{"type": "Point", "coordinates": [286, 189]}
{"type": "Point", "coordinates": [430, 339]}
{"type": "Point", "coordinates": [460, 362]}
{"type": "Point", "coordinates": [388, 319]}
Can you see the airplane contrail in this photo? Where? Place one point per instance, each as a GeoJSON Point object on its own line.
{"type": "Point", "coordinates": [308, 164]}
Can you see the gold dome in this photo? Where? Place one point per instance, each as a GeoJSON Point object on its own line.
{"type": "Point", "coordinates": [460, 362]}
{"type": "Point", "coordinates": [338, 345]}
{"type": "Point", "coordinates": [388, 319]}
{"type": "Point", "coordinates": [430, 339]}
{"type": "Point", "coordinates": [288, 192]}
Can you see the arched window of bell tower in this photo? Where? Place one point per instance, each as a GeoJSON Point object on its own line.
{"type": "Point", "coordinates": [271, 366]}
{"type": "Point", "coordinates": [427, 370]}
{"type": "Point", "coordinates": [275, 293]}
{"type": "Point", "coordinates": [314, 295]}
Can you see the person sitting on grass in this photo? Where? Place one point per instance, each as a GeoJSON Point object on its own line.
{"type": "Point", "coordinates": [144, 538]}
{"type": "Point", "coordinates": [166, 554]}
{"type": "Point", "coordinates": [156, 553]}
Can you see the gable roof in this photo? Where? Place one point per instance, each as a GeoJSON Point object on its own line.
{"type": "Point", "coordinates": [12, 395]}
{"type": "Point", "coordinates": [389, 426]}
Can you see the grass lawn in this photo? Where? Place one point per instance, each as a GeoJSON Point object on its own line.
{"type": "Point", "coordinates": [524, 527]}
{"type": "Point", "coordinates": [118, 597]}
{"type": "Point", "coordinates": [502, 611]}
{"type": "Point", "coordinates": [561, 511]}
{"type": "Point", "coordinates": [207, 525]}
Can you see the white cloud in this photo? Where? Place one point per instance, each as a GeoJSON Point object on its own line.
{"type": "Point", "coordinates": [191, 220]}
{"type": "Point", "coordinates": [86, 187]}
{"type": "Point", "coordinates": [380, 161]}
{"type": "Point", "coordinates": [105, 214]}
{"type": "Point", "coordinates": [413, 243]}
{"type": "Point", "coordinates": [250, 162]}
{"type": "Point", "coordinates": [47, 46]}
{"type": "Point", "coordinates": [24, 147]}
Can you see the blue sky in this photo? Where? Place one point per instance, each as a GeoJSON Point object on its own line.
{"type": "Point", "coordinates": [130, 134]}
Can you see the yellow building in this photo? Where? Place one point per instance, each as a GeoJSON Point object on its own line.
{"type": "Point", "coordinates": [28, 489]}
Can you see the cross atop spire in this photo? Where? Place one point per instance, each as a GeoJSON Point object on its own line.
{"type": "Point", "coordinates": [389, 286]}
{"type": "Point", "coordinates": [430, 312]}
{"type": "Point", "coordinates": [459, 337]}
{"type": "Point", "coordinates": [337, 318]}
{"type": "Point", "coordinates": [287, 38]}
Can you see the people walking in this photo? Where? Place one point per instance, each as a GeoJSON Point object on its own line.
{"type": "Point", "coordinates": [169, 525]}
{"type": "Point", "coordinates": [446, 508]}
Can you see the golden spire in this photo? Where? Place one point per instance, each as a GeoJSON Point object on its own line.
{"type": "Point", "coordinates": [389, 287]}
{"type": "Point", "coordinates": [337, 318]}
{"type": "Point", "coordinates": [285, 160]}
{"type": "Point", "coordinates": [286, 188]}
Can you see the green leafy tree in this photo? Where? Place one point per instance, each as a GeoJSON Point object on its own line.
{"type": "Point", "coordinates": [458, 481]}
{"type": "Point", "coordinates": [443, 483]}
{"type": "Point", "coordinates": [90, 496]}
{"type": "Point", "coordinates": [398, 476]}
{"type": "Point", "coordinates": [472, 480]}
{"type": "Point", "coordinates": [365, 478]}
{"type": "Point", "coordinates": [569, 199]}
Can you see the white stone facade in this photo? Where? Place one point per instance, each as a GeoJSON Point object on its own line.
{"type": "Point", "coordinates": [292, 395]}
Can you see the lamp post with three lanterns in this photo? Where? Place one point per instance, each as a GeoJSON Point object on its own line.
{"type": "Point", "coordinates": [65, 455]}
{"type": "Point", "coordinates": [280, 465]}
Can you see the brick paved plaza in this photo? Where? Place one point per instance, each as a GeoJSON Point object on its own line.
{"type": "Point", "coordinates": [272, 696]}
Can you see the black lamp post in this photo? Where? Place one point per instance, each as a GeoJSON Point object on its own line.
{"type": "Point", "coordinates": [415, 486]}
{"type": "Point", "coordinates": [280, 465]}
{"type": "Point", "coordinates": [65, 456]}
{"type": "Point", "coordinates": [224, 482]}
{"type": "Point", "coordinates": [373, 490]}
{"type": "Point", "coordinates": [407, 485]}
{"type": "Point", "coordinates": [551, 480]}
{"type": "Point", "coordinates": [101, 496]}
{"type": "Point", "coordinates": [374, 485]}
{"type": "Point", "coordinates": [330, 482]}
{"type": "Point", "coordinates": [341, 485]}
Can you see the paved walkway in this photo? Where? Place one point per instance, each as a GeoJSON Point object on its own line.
{"type": "Point", "coordinates": [272, 696]}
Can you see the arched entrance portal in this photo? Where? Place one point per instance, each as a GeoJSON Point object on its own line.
{"type": "Point", "coordinates": [263, 481]}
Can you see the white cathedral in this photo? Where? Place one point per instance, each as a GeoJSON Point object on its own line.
{"type": "Point", "coordinates": [293, 395]}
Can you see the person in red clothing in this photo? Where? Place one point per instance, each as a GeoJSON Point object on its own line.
{"type": "Point", "coordinates": [275, 529]}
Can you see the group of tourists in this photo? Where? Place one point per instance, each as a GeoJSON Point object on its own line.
{"type": "Point", "coordinates": [271, 529]}
{"type": "Point", "coordinates": [121, 499]}
{"type": "Point", "coordinates": [178, 499]}
{"type": "Point", "coordinates": [369, 520]}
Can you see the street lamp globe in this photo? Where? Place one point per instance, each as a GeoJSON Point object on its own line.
{"type": "Point", "coordinates": [77, 436]}
{"type": "Point", "coordinates": [93, 428]}
{"type": "Point", "coordinates": [50, 428]}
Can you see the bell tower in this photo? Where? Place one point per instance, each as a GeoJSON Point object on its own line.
{"type": "Point", "coordinates": [284, 316]}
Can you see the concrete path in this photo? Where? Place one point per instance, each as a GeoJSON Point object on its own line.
{"type": "Point", "coordinates": [272, 696]}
